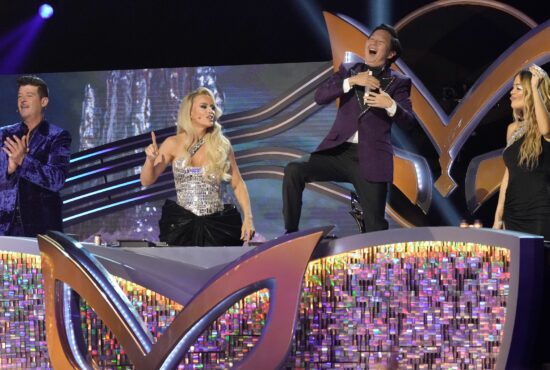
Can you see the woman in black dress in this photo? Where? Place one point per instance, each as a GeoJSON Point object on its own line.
{"type": "Point", "coordinates": [524, 198]}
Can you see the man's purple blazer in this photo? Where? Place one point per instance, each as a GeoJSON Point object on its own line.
{"type": "Point", "coordinates": [37, 181]}
{"type": "Point", "coordinates": [375, 150]}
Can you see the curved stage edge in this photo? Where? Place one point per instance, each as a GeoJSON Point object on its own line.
{"type": "Point", "coordinates": [438, 297]}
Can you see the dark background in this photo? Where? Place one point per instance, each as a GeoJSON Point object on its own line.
{"type": "Point", "coordinates": [129, 34]}
{"type": "Point", "coordinates": [448, 50]}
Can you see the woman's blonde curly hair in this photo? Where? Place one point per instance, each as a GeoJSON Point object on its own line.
{"type": "Point", "coordinates": [531, 148]}
{"type": "Point", "coordinates": [216, 145]}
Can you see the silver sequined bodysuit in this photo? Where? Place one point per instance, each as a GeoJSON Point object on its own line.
{"type": "Point", "coordinates": [195, 192]}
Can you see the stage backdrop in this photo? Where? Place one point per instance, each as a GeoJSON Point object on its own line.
{"type": "Point", "coordinates": [450, 64]}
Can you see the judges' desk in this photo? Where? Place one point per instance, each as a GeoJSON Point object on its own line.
{"type": "Point", "coordinates": [409, 298]}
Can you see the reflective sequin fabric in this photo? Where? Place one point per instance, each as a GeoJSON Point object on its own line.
{"type": "Point", "coordinates": [195, 192]}
{"type": "Point", "coordinates": [517, 134]}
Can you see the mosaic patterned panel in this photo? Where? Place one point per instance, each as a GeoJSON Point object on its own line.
{"type": "Point", "coordinates": [416, 305]}
{"type": "Point", "coordinates": [22, 330]}
{"type": "Point", "coordinates": [227, 340]}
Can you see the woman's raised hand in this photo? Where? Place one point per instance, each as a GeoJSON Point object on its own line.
{"type": "Point", "coordinates": [152, 150]}
{"type": "Point", "coordinates": [538, 74]}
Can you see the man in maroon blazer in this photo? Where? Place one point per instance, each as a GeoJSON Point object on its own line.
{"type": "Point", "coordinates": [357, 148]}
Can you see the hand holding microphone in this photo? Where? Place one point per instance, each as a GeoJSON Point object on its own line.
{"type": "Point", "coordinates": [365, 79]}
{"type": "Point", "coordinates": [367, 89]}
{"type": "Point", "coordinates": [378, 99]}
{"type": "Point", "coordinates": [373, 96]}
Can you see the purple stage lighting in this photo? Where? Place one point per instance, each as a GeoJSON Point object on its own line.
{"type": "Point", "coordinates": [45, 11]}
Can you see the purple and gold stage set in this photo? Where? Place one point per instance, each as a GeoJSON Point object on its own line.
{"type": "Point", "coordinates": [416, 298]}
{"type": "Point", "coordinates": [407, 298]}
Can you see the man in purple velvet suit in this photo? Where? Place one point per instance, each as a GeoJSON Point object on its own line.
{"type": "Point", "coordinates": [357, 148]}
{"type": "Point", "coordinates": [33, 165]}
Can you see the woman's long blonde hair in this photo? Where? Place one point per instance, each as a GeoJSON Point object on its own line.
{"type": "Point", "coordinates": [216, 145]}
{"type": "Point", "coordinates": [531, 148]}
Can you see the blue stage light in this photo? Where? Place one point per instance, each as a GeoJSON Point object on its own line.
{"type": "Point", "coordinates": [45, 11]}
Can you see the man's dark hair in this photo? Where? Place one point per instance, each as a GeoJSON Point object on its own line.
{"type": "Point", "coordinates": [34, 81]}
{"type": "Point", "coordinates": [395, 44]}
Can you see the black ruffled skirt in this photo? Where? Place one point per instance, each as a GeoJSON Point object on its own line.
{"type": "Point", "coordinates": [179, 226]}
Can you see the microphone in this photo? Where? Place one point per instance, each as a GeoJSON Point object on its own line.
{"type": "Point", "coordinates": [367, 89]}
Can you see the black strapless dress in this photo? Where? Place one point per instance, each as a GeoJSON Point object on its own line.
{"type": "Point", "coordinates": [181, 227]}
{"type": "Point", "coordinates": [527, 202]}
{"type": "Point", "coordinates": [199, 218]}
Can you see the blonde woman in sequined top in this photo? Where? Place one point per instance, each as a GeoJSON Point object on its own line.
{"type": "Point", "coordinates": [201, 158]}
{"type": "Point", "coordinates": [524, 198]}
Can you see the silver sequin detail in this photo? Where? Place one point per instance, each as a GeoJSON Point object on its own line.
{"type": "Point", "coordinates": [195, 192]}
{"type": "Point", "coordinates": [517, 134]}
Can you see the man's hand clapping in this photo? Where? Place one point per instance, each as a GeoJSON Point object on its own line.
{"type": "Point", "coordinates": [16, 149]}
